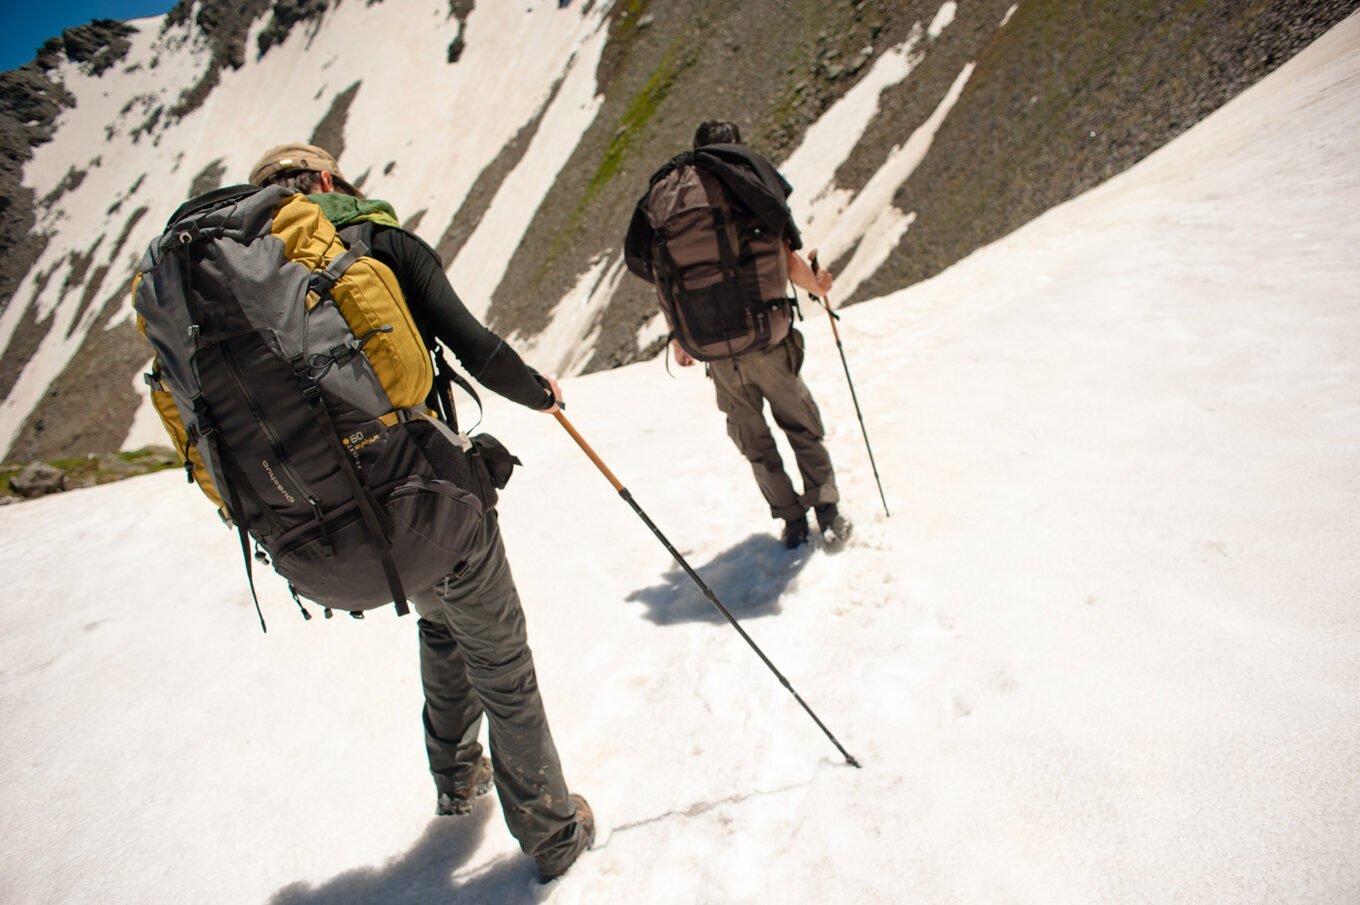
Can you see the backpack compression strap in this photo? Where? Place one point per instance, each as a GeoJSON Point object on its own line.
{"type": "Point", "coordinates": [201, 429]}
{"type": "Point", "coordinates": [311, 391]}
{"type": "Point", "coordinates": [321, 283]}
{"type": "Point", "coordinates": [234, 502]}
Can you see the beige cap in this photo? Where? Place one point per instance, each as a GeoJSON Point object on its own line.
{"type": "Point", "coordinates": [298, 156]}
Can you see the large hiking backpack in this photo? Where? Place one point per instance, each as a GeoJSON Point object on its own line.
{"type": "Point", "coordinates": [294, 382]}
{"type": "Point", "coordinates": [721, 273]}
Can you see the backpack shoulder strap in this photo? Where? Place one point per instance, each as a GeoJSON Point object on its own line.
{"type": "Point", "coordinates": [358, 232]}
{"type": "Point", "coordinates": [445, 376]}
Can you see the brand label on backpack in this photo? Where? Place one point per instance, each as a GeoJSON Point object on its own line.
{"type": "Point", "coordinates": [273, 479]}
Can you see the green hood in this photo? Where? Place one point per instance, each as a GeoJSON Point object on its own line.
{"type": "Point", "coordinates": [343, 210]}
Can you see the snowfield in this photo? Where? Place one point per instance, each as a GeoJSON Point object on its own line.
{"type": "Point", "coordinates": [1106, 649]}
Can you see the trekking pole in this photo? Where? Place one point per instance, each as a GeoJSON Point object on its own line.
{"type": "Point", "coordinates": [825, 303]}
{"type": "Point", "coordinates": [708, 592]}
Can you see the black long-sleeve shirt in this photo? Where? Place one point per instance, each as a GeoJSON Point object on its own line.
{"type": "Point", "coordinates": [441, 315]}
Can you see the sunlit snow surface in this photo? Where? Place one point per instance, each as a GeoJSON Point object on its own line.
{"type": "Point", "coordinates": [1106, 649]}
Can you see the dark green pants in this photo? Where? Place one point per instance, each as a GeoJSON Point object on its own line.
{"type": "Point", "coordinates": [743, 385]}
{"type": "Point", "coordinates": [475, 660]}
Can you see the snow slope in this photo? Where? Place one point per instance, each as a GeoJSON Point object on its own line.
{"type": "Point", "coordinates": [1106, 649]}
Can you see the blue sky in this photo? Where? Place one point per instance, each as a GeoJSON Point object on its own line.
{"type": "Point", "coordinates": [25, 24]}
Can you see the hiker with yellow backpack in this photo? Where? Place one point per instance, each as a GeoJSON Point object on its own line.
{"type": "Point", "coordinates": [297, 331]}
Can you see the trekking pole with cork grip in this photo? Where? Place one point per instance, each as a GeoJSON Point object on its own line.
{"type": "Point", "coordinates": [708, 592]}
{"type": "Point", "coordinates": [826, 303]}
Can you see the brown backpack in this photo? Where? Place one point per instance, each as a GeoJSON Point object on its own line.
{"type": "Point", "coordinates": [721, 274]}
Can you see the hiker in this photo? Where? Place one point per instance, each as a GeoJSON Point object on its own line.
{"type": "Point", "coordinates": [715, 235]}
{"type": "Point", "coordinates": [474, 650]}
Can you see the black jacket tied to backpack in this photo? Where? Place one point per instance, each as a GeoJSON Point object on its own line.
{"type": "Point", "coordinates": [712, 234]}
{"type": "Point", "coordinates": [753, 182]}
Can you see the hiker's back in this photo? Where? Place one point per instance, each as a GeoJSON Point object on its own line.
{"type": "Point", "coordinates": [721, 274]}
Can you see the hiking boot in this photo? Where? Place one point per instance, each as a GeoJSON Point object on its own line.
{"type": "Point", "coordinates": [795, 532]}
{"type": "Point", "coordinates": [585, 838]}
{"type": "Point", "coordinates": [831, 524]}
{"type": "Point", "coordinates": [463, 797]}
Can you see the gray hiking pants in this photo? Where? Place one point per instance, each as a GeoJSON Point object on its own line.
{"type": "Point", "coordinates": [743, 385]}
{"type": "Point", "coordinates": [475, 659]}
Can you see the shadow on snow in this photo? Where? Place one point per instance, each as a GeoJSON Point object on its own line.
{"type": "Point", "coordinates": [749, 579]}
{"type": "Point", "coordinates": [425, 874]}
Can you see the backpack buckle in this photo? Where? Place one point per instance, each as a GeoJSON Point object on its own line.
{"type": "Point", "coordinates": [302, 371]}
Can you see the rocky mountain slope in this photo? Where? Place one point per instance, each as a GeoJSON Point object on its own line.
{"type": "Point", "coordinates": [516, 142]}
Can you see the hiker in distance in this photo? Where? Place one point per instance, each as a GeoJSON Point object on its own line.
{"type": "Point", "coordinates": [474, 649]}
{"type": "Point", "coordinates": [714, 234]}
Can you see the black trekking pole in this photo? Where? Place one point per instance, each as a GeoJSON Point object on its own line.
{"type": "Point", "coordinates": [825, 303]}
{"type": "Point", "coordinates": [708, 592]}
